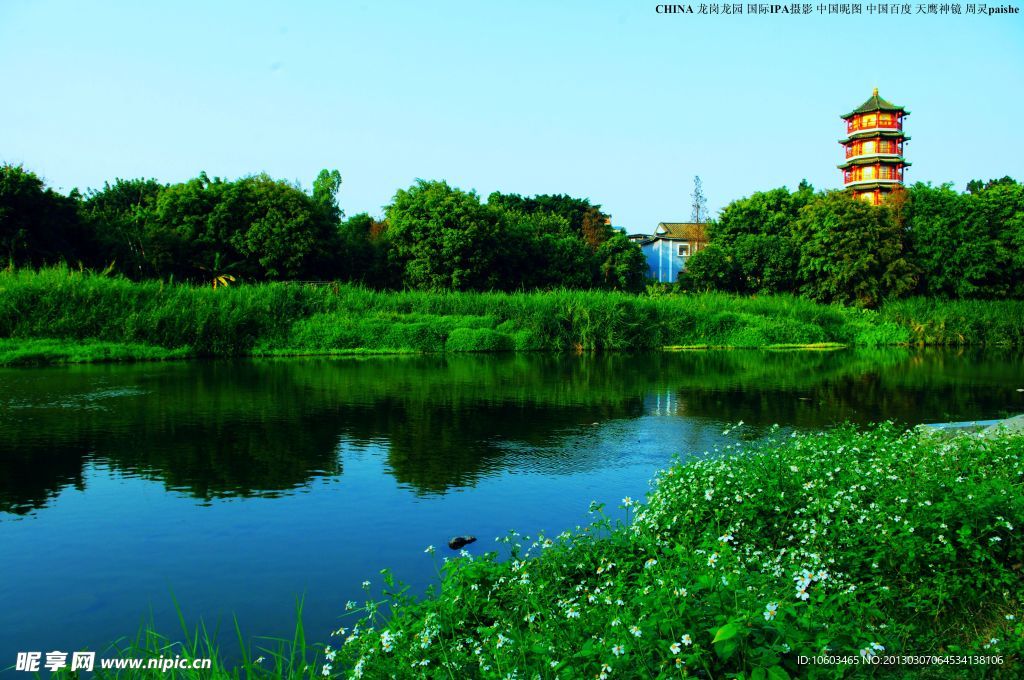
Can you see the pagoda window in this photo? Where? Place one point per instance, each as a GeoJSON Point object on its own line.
{"type": "Point", "coordinates": [868, 121]}
{"type": "Point", "coordinates": [868, 173]}
{"type": "Point", "coordinates": [869, 147]}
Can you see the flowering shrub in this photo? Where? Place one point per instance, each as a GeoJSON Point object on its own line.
{"type": "Point", "coordinates": [852, 544]}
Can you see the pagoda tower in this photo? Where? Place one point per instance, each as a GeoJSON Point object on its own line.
{"type": "Point", "coordinates": [874, 149]}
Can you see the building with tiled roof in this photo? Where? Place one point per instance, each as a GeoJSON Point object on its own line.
{"type": "Point", "coordinates": [670, 246]}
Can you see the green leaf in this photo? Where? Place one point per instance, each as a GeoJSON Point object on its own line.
{"type": "Point", "coordinates": [726, 632]}
{"type": "Point", "coordinates": [777, 673]}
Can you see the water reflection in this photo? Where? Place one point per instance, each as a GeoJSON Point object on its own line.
{"type": "Point", "coordinates": [265, 428]}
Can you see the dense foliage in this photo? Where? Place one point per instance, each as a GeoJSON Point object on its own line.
{"type": "Point", "coordinates": [853, 545]}
{"type": "Point", "coordinates": [433, 237]}
{"type": "Point", "coordinates": [925, 240]}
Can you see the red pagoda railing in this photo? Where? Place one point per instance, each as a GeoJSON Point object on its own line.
{"type": "Point", "coordinates": [858, 149]}
{"type": "Point", "coordinates": [856, 124]}
{"type": "Point", "coordinates": [857, 174]}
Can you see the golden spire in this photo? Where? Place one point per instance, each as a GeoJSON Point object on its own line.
{"type": "Point", "coordinates": [875, 93]}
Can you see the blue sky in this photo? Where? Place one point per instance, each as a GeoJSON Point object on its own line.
{"type": "Point", "coordinates": [607, 100]}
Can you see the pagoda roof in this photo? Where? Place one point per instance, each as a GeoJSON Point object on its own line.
{"type": "Point", "coordinates": [876, 103]}
{"type": "Point", "coordinates": [875, 158]}
{"type": "Point", "coordinates": [871, 134]}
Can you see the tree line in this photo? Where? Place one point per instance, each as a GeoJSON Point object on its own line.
{"type": "Point", "coordinates": [432, 236]}
{"type": "Point", "coordinates": [924, 240]}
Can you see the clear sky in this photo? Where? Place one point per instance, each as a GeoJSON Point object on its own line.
{"type": "Point", "coordinates": [603, 99]}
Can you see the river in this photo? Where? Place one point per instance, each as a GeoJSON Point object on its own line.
{"type": "Point", "coordinates": [238, 487]}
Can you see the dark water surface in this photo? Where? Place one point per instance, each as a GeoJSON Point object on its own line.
{"type": "Point", "coordinates": [238, 486]}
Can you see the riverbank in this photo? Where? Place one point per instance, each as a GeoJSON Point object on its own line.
{"type": "Point", "coordinates": [77, 316]}
{"type": "Point", "coordinates": [853, 544]}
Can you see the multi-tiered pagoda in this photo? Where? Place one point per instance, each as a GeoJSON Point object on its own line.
{"type": "Point", "coordinates": [874, 149]}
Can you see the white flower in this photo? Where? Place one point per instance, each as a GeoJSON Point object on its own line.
{"type": "Point", "coordinates": [429, 550]}
{"type": "Point", "coordinates": [327, 669]}
{"type": "Point", "coordinates": [366, 584]}
{"type": "Point", "coordinates": [686, 640]}
{"type": "Point", "coordinates": [627, 501]}
{"type": "Point", "coordinates": [635, 631]}
{"type": "Point", "coordinates": [770, 610]}
{"type": "Point", "coordinates": [618, 650]}
{"type": "Point", "coordinates": [725, 539]}
{"type": "Point", "coordinates": [712, 558]}
{"type": "Point", "coordinates": [650, 563]}
{"type": "Point", "coordinates": [674, 648]}
{"type": "Point", "coordinates": [708, 493]}
{"type": "Point", "coordinates": [572, 613]}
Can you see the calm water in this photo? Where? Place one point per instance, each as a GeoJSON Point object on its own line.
{"type": "Point", "coordinates": [238, 486]}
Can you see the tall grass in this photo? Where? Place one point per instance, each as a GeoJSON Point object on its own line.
{"type": "Point", "coordinates": [270, 658]}
{"type": "Point", "coordinates": [61, 304]}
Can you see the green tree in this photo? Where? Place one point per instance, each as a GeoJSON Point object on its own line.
{"type": "Point", "coordinates": [997, 211]}
{"type": "Point", "coordinates": [37, 224]}
{"type": "Point", "coordinates": [325, 193]}
{"type": "Point", "coordinates": [711, 268]}
{"type": "Point", "coordinates": [257, 227]}
{"type": "Point", "coordinates": [850, 252]}
{"type": "Point", "coordinates": [540, 250]}
{"type": "Point", "coordinates": [754, 247]}
{"type": "Point", "coordinates": [621, 264]}
{"type": "Point", "coordinates": [585, 220]}
{"type": "Point", "coordinates": [362, 253]}
{"type": "Point", "coordinates": [444, 238]}
{"type": "Point", "coordinates": [976, 186]}
{"type": "Point", "coordinates": [966, 245]}
{"type": "Point", "coordinates": [117, 215]}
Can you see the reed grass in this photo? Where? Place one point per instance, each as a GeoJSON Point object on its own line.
{"type": "Point", "coordinates": [122, 319]}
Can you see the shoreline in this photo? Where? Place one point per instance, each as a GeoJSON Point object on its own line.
{"type": "Point", "coordinates": [47, 352]}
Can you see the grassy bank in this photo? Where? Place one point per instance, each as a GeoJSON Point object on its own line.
{"type": "Point", "coordinates": [83, 317]}
{"type": "Point", "coordinates": [850, 544]}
